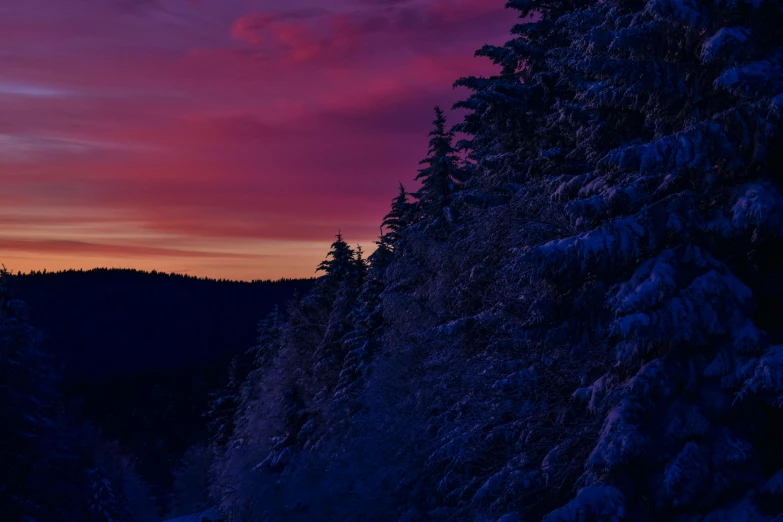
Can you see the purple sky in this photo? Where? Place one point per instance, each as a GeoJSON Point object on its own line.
{"type": "Point", "coordinates": [222, 138]}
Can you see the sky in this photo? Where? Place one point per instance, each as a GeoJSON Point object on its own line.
{"type": "Point", "coordinates": [219, 138]}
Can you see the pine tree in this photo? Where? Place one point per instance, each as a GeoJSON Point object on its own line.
{"type": "Point", "coordinates": [361, 264]}
{"type": "Point", "coordinates": [223, 406]}
{"type": "Point", "coordinates": [441, 177]}
{"type": "Point", "coordinates": [384, 253]}
{"type": "Point", "coordinates": [365, 320]}
{"type": "Point", "coordinates": [340, 264]}
{"type": "Point", "coordinates": [269, 331]}
{"type": "Point", "coordinates": [329, 353]}
{"type": "Point", "coordinates": [224, 403]}
{"type": "Point", "coordinates": [398, 218]}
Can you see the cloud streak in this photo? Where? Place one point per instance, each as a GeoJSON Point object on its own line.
{"type": "Point", "coordinates": [83, 248]}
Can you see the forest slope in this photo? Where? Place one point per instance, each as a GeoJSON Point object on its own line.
{"type": "Point", "coordinates": [579, 323]}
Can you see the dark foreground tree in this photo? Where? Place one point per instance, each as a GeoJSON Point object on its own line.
{"type": "Point", "coordinates": [399, 216]}
{"type": "Point", "coordinates": [340, 264]}
{"type": "Point", "coordinates": [441, 176]}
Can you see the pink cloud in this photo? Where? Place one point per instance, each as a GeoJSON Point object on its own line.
{"type": "Point", "coordinates": [252, 28]}
{"type": "Point", "coordinates": [328, 36]}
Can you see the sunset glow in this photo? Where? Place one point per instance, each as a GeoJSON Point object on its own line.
{"type": "Point", "coordinates": [221, 138]}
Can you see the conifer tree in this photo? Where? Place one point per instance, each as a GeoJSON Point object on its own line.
{"type": "Point", "coordinates": [398, 218]}
{"type": "Point", "coordinates": [269, 331]}
{"type": "Point", "coordinates": [348, 268]}
{"type": "Point", "coordinates": [365, 320]}
{"type": "Point", "coordinates": [361, 263]}
{"type": "Point", "coordinates": [383, 254]}
{"type": "Point", "coordinates": [440, 177]}
{"type": "Point", "coordinates": [340, 264]}
{"type": "Point", "coordinates": [223, 403]}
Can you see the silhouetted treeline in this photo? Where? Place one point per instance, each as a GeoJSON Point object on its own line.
{"type": "Point", "coordinates": [172, 275]}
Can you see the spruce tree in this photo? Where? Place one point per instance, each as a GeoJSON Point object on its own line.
{"type": "Point", "coordinates": [398, 218]}
{"type": "Point", "coordinates": [361, 264]}
{"type": "Point", "coordinates": [340, 264]}
{"type": "Point", "coordinates": [441, 176]}
{"type": "Point", "coordinates": [347, 268]}
{"type": "Point", "coordinates": [223, 403]}
{"type": "Point", "coordinates": [365, 321]}
{"type": "Point", "coordinates": [384, 252]}
{"type": "Point", "coordinates": [269, 331]}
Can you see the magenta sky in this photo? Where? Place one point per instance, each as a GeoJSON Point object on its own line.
{"type": "Point", "coordinates": [226, 138]}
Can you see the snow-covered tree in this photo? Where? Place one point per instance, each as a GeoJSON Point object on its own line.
{"type": "Point", "coordinates": [399, 217]}
{"type": "Point", "coordinates": [599, 337]}
{"type": "Point", "coordinates": [340, 263]}
{"type": "Point", "coordinates": [225, 403]}
{"type": "Point", "coordinates": [362, 264]}
{"type": "Point", "coordinates": [441, 176]}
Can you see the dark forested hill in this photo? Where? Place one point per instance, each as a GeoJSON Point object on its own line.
{"type": "Point", "coordinates": [142, 351]}
{"type": "Point", "coordinates": [102, 323]}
